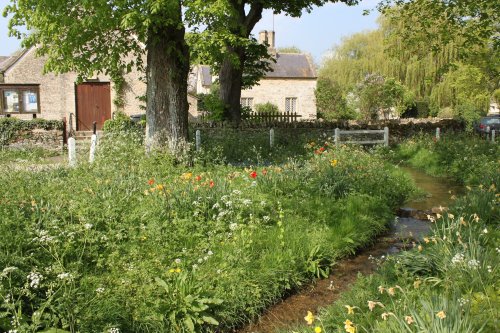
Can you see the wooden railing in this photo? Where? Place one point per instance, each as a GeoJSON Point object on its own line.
{"type": "Point", "coordinates": [362, 141]}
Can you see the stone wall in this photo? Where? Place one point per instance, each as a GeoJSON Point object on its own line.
{"type": "Point", "coordinates": [39, 138]}
{"type": "Point", "coordinates": [276, 90]}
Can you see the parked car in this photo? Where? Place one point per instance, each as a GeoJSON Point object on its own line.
{"type": "Point", "coordinates": [138, 117]}
{"type": "Point", "coordinates": [493, 122]}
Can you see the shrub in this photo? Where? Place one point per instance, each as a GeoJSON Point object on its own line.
{"type": "Point", "coordinates": [266, 108]}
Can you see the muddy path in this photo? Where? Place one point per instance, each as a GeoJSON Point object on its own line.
{"type": "Point", "coordinates": [410, 225]}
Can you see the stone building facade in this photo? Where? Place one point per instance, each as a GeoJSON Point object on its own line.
{"type": "Point", "coordinates": [26, 93]}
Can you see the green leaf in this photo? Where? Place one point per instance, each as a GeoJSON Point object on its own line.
{"type": "Point", "coordinates": [54, 330]}
{"type": "Point", "coordinates": [189, 324]}
{"type": "Point", "coordinates": [210, 320]}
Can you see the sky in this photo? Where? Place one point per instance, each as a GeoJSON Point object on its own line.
{"type": "Point", "coordinates": [315, 33]}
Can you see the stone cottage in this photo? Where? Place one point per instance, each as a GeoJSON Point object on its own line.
{"type": "Point", "coordinates": [25, 92]}
{"type": "Point", "coordinates": [290, 84]}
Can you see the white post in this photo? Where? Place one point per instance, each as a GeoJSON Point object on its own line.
{"type": "Point", "coordinates": [337, 137]}
{"type": "Point", "coordinates": [386, 136]}
{"type": "Point", "coordinates": [72, 152]}
{"type": "Point", "coordinates": [438, 133]}
{"type": "Point", "coordinates": [488, 133]}
{"type": "Point", "coordinates": [198, 140]}
{"type": "Point", "coordinates": [93, 145]}
{"type": "Point", "coordinates": [271, 137]}
{"type": "Point", "coordinates": [493, 136]}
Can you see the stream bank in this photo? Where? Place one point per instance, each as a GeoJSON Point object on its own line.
{"type": "Point", "coordinates": [409, 226]}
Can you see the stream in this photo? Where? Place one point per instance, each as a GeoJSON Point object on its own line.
{"type": "Point", "coordinates": [410, 225]}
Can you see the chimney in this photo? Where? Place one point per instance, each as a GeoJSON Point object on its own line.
{"type": "Point", "coordinates": [271, 39]}
{"type": "Point", "coordinates": [263, 37]}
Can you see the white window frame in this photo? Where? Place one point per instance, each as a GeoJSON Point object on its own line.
{"type": "Point", "coordinates": [291, 104]}
{"type": "Point", "coordinates": [247, 102]}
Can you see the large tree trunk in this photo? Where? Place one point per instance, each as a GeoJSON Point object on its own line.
{"type": "Point", "coordinates": [230, 78]}
{"type": "Point", "coordinates": [167, 72]}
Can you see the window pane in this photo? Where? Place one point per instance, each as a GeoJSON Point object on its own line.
{"type": "Point", "coordinates": [10, 101]}
{"type": "Point", "coordinates": [30, 101]}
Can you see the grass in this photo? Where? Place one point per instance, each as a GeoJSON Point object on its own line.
{"type": "Point", "coordinates": [449, 282]}
{"type": "Point", "coordinates": [145, 244]}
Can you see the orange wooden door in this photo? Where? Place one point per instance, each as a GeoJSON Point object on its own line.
{"type": "Point", "coordinates": [93, 103]}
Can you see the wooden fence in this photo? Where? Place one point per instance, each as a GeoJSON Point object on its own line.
{"type": "Point", "coordinates": [363, 141]}
{"type": "Point", "coordinates": [283, 117]}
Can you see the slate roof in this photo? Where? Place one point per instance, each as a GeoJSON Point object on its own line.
{"type": "Point", "coordinates": [7, 61]}
{"type": "Point", "coordinates": [292, 66]}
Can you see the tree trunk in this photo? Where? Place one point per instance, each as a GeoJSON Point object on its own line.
{"type": "Point", "coordinates": [167, 72]}
{"type": "Point", "coordinates": [230, 77]}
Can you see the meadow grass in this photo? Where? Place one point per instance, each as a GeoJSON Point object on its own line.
{"type": "Point", "coordinates": [136, 243]}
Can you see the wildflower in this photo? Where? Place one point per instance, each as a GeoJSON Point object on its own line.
{"type": "Point", "coordinates": [177, 270]}
{"type": "Point", "coordinates": [198, 178]}
{"type": "Point", "coordinates": [485, 231]}
{"type": "Point", "coordinates": [420, 248]}
{"type": "Point", "coordinates": [457, 258]}
{"type": "Point", "coordinates": [426, 240]}
{"type": "Point", "coordinates": [253, 174]}
{"type": "Point", "coordinates": [177, 261]}
{"type": "Point", "coordinates": [391, 291]}
{"type": "Point", "coordinates": [87, 226]}
{"type": "Point", "coordinates": [417, 284]}
{"type": "Point", "coordinates": [317, 329]}
{"type": "Point", "coordinates": [35, 279]}
{"type": "Point", "coordinates": [64, 276]}
{"type": "Point", "coordinates": [451, 216]}
{"type": "Point", "coordinates": [99, 290]}
{"type": "Point", "coordinates": [350, 309]}
{"type": "Point", "coordinates": [381, 289]}
{"type": "Point", "coordinates": [159, 187]}
{"type": "Point", "coordinates": [409, 320]}
{"type": "Point", "coordinates": [333, 163]}
{"type": "Point", "coordinates": [309, 318]}
{"type": "Point", "coordinates": [489, 269]}
{"type": "Point", "coordinates": [473, 263]}
{"type": "Point", "coordinates": [347, 323]}
{"type": "Point", "coordinates": [386, 315]}
{"type": "Point", "coordinates": [186, 175]}
{"type": "Point", "coordinates": [351, 329]}
{"type": "Point", "coordinates": [211, 184]}
{"type": "Point", "coordinates": [441, 315]}
{"type": "Point", "coordinates": [264, 172]}
{"type": "Point", "coordinates": [438, 216]}
{"type": "Point", "coordinates": [171, 270]}
{"type": "Point", "coordinates": [151, 182]}
{"type": "Point", "coordinates": [114, 330]}
{"type": "Point", "coordinates": [371, 305]}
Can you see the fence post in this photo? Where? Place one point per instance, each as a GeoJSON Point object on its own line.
{"type": "Point", "coordinates": [72, 152]}
{"type": "Point", "coordinates": [337, 137]}
{"type": "Point", "coordinates": [438, 133]}
{"type": "Point", "coordinates": [271, 137]}
{"type": "Point", "coordinates": [488, 130]}
{"type": "Point", "coordinates": [386, 136]}
{"type": "Point", "coordinates": [198, 140]}
{"type": "Point", "coordinates": [493, 136]}
{"type": "Point", "coordinates": [93, 145]}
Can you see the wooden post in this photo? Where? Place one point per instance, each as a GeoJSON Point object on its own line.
{"type": "Point", "coordinates": [488, 133]}
{"type": "Point", "coordinates": [386, 136]}
{"type": "Point", "coordinates": [271, 137]}
{"type": "Point", "coordinates": [198, 140]}
{"type": "Point", "coordinates": [93, 145]}
{"type": "Point", "coordinates": [72, 152]}
{"type": "Point", "coordinates": [438, 133]}
{"type": "Point", "coordinates": [337, 137]}
{"type": "Point", "coordinates": [493, 136]}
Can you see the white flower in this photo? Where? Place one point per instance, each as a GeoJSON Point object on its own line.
{"type": "Point", "coordinates": [88, 226]}
{"type": "Point", "coordinates": [489, 269]}
{"type": "Point", "coordinates": [219, 271]}
{"type": "Point", "coordinates": [485, 231]}
{"type": "Point", "coordinates": [177, 261]}
{"type": "Point", "coordinates": [114, 330]}
{"type": "Point", "coordinates": [99, 290]}
{"type": "Point", "coordinates": [200, 260]}
{"type": "Point", "coordinates": [34, 279]}
{"type": "Point", "coordinates": [266, 218]}
{"type": "Point", "coordinates": [473, 263]}
{"type": "Point", "coordinates": [247, 202]}
{"type": "Point", "coordinates": [210, 253]}
{"type": "Point", "coordinates": [262, 203]}
{"type": "Point", "coordinates": [237, 192]}
{"type": "Point", "coordinates": [8, 270]}
{"type": "Point", "coordinates": [457, 258]}
{"type": "Point", "coordinates": [215, 206]}
{"type": "Point", "coordinates": [64, 276]}
{"type": "Point", "coordinates": [195, 266]}
{"type": "Point", "coordinates": [233, 226]}
{"type": "Point", "coordinates": [254, 183]}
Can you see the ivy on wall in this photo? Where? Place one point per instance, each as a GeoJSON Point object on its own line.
{"type": "Point", "coordinates": [13, 128]}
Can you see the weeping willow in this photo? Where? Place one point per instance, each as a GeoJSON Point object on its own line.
{"type": "Point", "coordinates": [426, 73]}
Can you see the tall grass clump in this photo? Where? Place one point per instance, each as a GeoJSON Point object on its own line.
{"type": "Point", "coordinates": [135, 243]}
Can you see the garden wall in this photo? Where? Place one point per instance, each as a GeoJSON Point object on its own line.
{"type": "Point", "coordinates": [39, 133]}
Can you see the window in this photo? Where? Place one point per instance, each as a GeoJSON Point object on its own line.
{"type": "Point", "coordinates": [247, 102]}
{"type": "Point", "coordinates": [291, 104]}
{"type": "Point", "coordinates": [19, 99]}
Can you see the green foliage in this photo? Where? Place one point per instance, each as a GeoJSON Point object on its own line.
{"type": "Point", "coordinates": [289, 49]}
{"type": "Point", "coordinates": [13, 128]}
{"type": "Point", "coordinates": [496, 96]}
{"type": "Point", "coordinates": [211, 104]}
{"type": "Point", "coordinates": [331, 102]}
{"type": "Point", "coordinates": [122, 123]}
{"type": "Point", "coordinates": [266, 108]}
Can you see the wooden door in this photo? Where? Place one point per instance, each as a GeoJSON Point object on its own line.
{"type": "Point", "coordinates": [93, 103]}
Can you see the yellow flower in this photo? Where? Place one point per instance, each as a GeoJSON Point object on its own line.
{"type": "Point", "coordinates": [317, 329]}
{"type": "Point", "coordinates": [438, 215]}
{"type": "Point", "coordinates": [187, 175]}
{"type": "Point", "coordinates": [417, 284]}
{"type": "Point", "coordinates": [441, 315]}
{"type": "Point", "coordinates": [420, 248]}
{"type": "Point", "coordinates": [177, 270]}
{"type": "Point", "coordinates": [350, 329]}
{"type": "Point", "coordinates": [171, 270]}
{"type": "Point", "coordinates": [426, 240]}
{"type": "Point", "coordinates": [159, 187]}
{"type": "Point", "coordinates": [371, 305]}
{"type": "Point", "coordinates": [381, 289]}
{"type": "Point", "coordinates": [333, 163]}
{"type": "Point", "coordinates": [309, 318]}
{"type": "Point", "coordinates": [451, 216]}
{"type": "Point", "coordinates": [350, 309]}
{"type": "Point", "coordinates": [409, 320]}
{"type": "Point", "coordinates": [386, 315]}
{"type": "Point", "coordinates": [391, 291]}
{"type": "Point", "coordinates": [348, 322]}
